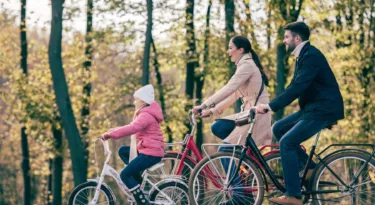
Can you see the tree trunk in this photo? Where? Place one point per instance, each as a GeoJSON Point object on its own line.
{"type": "Point", "coordinates": [229, 30]}
{"type": "Point", "coordinates": [48, 196]}
{"type": "Point", "coordinates": [281, 71]}
{"type": "Point", "coordinates": [201, 76]}
{"type": "Point", "coordinates": [146, 52]}
{"type": "Point", "coordinates": [25, 167]}
{"type": "Point", "coordinates": [365, 78]}
{"type": "Point", "coordinates": [62, 96]}
{"type": "Point", "coordinates": [24, 143]}
{"type": "Point", "coordinates": [229, 33]}
{"type": "Point", "coordinates": [85, 112]}
{"type": "Point", "coordinates": [250, 26]}
{"type": "Point", "coordinates": [57, 167]}
{"type": "Point", "coordinates": [159, 82]}
{"type": "Point", "coordinates": [269, 14]}
{"type": "Point", "coordinates": [290, 11]}
{"type": "Point", "coordinates": [191, 56]}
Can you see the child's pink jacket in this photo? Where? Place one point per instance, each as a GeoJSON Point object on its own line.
{"type": "Point", "coordinates": [146, 126]}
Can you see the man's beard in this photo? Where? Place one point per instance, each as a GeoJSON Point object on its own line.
{"type": "Point", "coordinates": [291, 47]}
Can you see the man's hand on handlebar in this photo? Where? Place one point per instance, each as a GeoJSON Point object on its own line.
{"type": "Point", "coordinates": [263, 108]}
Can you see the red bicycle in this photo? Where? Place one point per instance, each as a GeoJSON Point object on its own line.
{"type": "Point", "coordinates": [180, 164]}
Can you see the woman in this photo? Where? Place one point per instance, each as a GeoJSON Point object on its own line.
{"type": "Point", "coordinates": [246, 83]}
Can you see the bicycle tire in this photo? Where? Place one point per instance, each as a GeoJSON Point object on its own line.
{"type": "Point", "coordinates": [318, 177]}
{"type": "Point", "coordinates": [200, 166]}
{"type": "Point", "coordinates": [187, 170]}
{"type": "Point", "coordinates": [91, 184]}
{"type": "Point", "coordinates": [174, 185]}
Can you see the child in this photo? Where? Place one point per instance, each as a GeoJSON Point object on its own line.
{"type": "Point", "coordinates": [146, 127]}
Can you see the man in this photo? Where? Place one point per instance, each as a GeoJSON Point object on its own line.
{"type": "Point", "coordinates": [320, 102]}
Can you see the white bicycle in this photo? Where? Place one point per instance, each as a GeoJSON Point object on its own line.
{"type": "Point", "coordinates": [96, 191]}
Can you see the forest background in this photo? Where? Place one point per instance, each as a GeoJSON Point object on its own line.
{"type": "Point", "coordinates": [67, 79]}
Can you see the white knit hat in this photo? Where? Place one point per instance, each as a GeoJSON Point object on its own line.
{"type": "Point", "coordinates": [146, 94]}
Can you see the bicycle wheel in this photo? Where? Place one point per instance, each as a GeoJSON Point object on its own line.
{"type": "Point", "coordinates": [176, 191]}
{"type": "Point", "coordinates": [85, 192]}
{"type": "Point", "coordinates": [171, 162]}
{"type": "Point", "coordinates": [274, 162]}
{"type": "Point", "coordinates": [346, 165]}
{"type": "Point", "coordinates": [246, 188]}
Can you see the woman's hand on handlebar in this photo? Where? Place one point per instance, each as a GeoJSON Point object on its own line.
{"type": "Point", "coordinates": [263, 108]}
{"type": "Point", "coordinates": [205, 113]}
{"type": "Point", "coordinates": [197, 110]}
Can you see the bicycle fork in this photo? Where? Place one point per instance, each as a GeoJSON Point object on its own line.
{"type": "Point", "coordinates": [100, 181]}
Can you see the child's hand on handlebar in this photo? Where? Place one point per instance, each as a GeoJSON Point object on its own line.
{"type": "Point", "coordinates": [105, 136]}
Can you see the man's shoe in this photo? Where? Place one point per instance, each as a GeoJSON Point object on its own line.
{"type": "Point", "coordinates": [286, 200]}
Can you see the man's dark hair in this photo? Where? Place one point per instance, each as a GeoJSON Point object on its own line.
{"type": "Point", "coordinates": [299, 28]}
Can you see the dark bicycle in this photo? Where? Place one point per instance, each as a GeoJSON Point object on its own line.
{"type": "Point", "coordinates": [344, 176]}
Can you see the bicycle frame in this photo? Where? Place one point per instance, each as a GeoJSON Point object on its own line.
{"type": "Point", "coordinates": [250, 143]}
{"type": "Point", "coordinates": [188, 145]}
{"type": "Point", "coordinates": [111, 172]}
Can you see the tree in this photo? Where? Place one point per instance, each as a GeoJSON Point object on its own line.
{"type": "Point", "coordinates": [159, 82]}
{"type": "Point", "coordinates": [268, 23]}
{"type": "Point", "coordinates": [146, 52]}
{"type": "Point", "coordinates": [249, 25]}
{"type": "Point", "coordinates": [367, 66]}
{"type": "Point", "coordinates": [57, 167]}
{"type": "Point", "coordinates": [289, 11]}
{"type": "Point", "coordinates": [191, 55]}
{"type": "Point", "coordinates": [199, 79]}
{"type": "Point", "coordinates": [62, 96]}
{"type": "Point", "coordinates": [229, 33]}
{"type": "Point", "coordinates": [85, 111]}
{"type": "Point", "coordinates": [229, 30]}
{"type": "Point", "coordinates": [24, 141]}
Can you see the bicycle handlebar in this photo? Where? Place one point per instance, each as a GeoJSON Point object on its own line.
{"type": "Point", "coordinates": [192, 118]}
{"type": "Point", "coordinates": [252, 113]}
{"type": "Point", "coordinates": [105, 145]}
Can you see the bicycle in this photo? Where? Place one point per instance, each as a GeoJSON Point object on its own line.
{"type": "Point", "coordinates": [180, 164]}
{"type": "Point", "coordinates": [96, 191]}
{"type": "Point", "coordinates": [344, 176]}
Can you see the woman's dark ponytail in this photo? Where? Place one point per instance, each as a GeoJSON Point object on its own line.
{"type": "Point", "coordinates": [259, 65]}
{"type": "Point", "coordinates": [242, 42]}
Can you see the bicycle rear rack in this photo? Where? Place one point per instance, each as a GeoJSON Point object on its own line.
{"type": "Point", "coordinates": [349, 145]}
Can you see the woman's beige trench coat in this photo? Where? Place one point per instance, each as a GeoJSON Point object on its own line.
{"type": "Point", "coordinates": [245, 83]}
